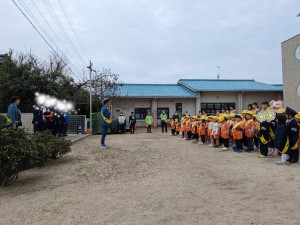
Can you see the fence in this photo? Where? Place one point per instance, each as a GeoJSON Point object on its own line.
{"type": "Point", "coordinates": [75, 122]}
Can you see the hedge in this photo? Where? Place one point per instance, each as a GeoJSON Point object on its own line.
{"type": "Point", "coordinates": [17, 149]}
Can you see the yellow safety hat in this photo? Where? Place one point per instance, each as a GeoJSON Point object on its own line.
{"type": "Point", "coordinates": [298, 116]}
{"type": "Point", "coordinates": [245, 112]}
{"type": "Point", "coordinates": [281, 111]}
{"type": "Point", "coordinates": [232, 115]}
{"type": "Point", "coordinates": [221, 119]}
{"type": "Point", "coordinates": [249, 112]}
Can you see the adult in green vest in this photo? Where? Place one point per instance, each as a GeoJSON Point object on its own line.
{"type": "Point", "coordinates": [149, 122]}
{"type": "Point", "coordinates": [164, 122]}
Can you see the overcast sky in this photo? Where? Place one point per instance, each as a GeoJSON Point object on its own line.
{"type": "Point", "coordinates": [162, 41]}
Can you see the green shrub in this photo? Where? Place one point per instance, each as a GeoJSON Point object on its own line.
{"type": "Point", "coordinates": [17, 148]}
{"type": "Point", "coordinates": [2, 121]}
{"type": "Point", "coordinates": [50, 146]}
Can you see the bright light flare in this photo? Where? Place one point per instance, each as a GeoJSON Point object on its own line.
{"type": "Point", "coordinates": [49, 101]}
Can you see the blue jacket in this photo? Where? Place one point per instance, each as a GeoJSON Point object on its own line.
{"type": "Point", "coordinates": [107, 114]}
{"type": "Point", "coordinates": [13, 114]}
{"type": "Point", "coordinates": [67, 118]}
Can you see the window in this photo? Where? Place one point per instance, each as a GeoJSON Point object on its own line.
{"type": "Point", "coordinates": [141, 113]}
{"type": "Point", "coordinates": [212, 108]}
{"type": "Point", "coordinates": [298, 52]}
{"type": "Point", "coordinates": [159, 111]}
{"type": "Point", "coordinates": [179, 109]}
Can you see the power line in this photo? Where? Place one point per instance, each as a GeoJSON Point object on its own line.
{"type": "Point", "coordinates": [43, 38]}
{"type": "Point", "coordinates": [73, 29]}
{"type": "Point", "coordinates": [44, 31]}
{"type": "Point", "coordinates": [60, 26]}
{"type": "Point", "coordinates": [60, 41]}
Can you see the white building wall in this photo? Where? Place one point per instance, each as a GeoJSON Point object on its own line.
{"type": "Point", "coordinates": [218, 97]}
{"type": "Point", "coordinates": [259, 97]}
{"type": "Point", "coordinates": [127, 105]}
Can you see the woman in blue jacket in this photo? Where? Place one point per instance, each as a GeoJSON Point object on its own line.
{"type": "Point", "coordinates": [13, 113]}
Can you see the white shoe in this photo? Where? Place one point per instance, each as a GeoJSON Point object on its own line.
{"type": "Point", "coordinates": [104, 147]}
{"type": "Point", "coordinates": [282, 163]}
{"type": "Point", "coordinates": [210, 145]}
{"type": "Point", "coordinates": [200, 143]}
{"type": "Point", "coordinates": [224, 148]}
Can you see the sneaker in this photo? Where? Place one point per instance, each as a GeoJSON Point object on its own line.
{"type": "Point", "coordinates": [200, 143]}
{"type": "Point", "coordinates": [225, 149]}
{"type": "Point", "coordinates": [282, 163]}
{"type": "Point", "coordinates": [237, 150]}
{"type": "Point", "coordinates": [262, 156]}
{"type": "Point", "coordinates": [103, 146]}
{"type": "Point", "coordinates": [210, 145]}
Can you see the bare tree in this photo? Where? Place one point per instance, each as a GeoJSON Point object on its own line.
{"type": "Point", "coordinates": [104, 84]}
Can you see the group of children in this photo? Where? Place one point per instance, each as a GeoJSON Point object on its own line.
{"type": "Point", "coordinates": [271, 132]}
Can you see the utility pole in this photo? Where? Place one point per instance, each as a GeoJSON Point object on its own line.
{"type": "Point", "coordinates": [218, 76]}
{"type": "Point", "coordinates": [91, 108]}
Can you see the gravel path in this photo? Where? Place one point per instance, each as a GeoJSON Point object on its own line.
{"type": "Point", "coordinates": [153, 179]}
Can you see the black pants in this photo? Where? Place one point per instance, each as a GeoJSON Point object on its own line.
{"type": "Point", "coordinates": [122, 128]}
{"type": "Point", "coordinates": [195, 136]}
{"type": "Point", "coordinates": [164, 126]}
{"type": "Point", "coordinates": [245, 142]}
{"type": "Point", "coordinates": [132, 126]}
{"type": "Point", "coordinates": [293, 155]}
{"type": "Point", "coordinates": [271, 143]}
{"type": "Point", "coordinates": [189, 134]}
{"type": "Point", "coordinates": [182, 134]}
{"type": "Point", "coordinates": [203, 138]}
{"type": "Point", "coordinates": [250, 144]}
{"type": "Point", "coordinates": [226, 142]}
{"type": "Point", "coordinates": [239, 144]}
{"type": "Point", "coordinates": [263, 148]}
{"type": "Point", "coordinates": [149, 129]}
{"type": "Point", "coordinates": [37, 127]}
{"type": "Point", "coordinates": [173, 132]}
{"type": "Point", "coordinates": [65, 129]}
{"type": "Point", "coordinates": [256, 142]}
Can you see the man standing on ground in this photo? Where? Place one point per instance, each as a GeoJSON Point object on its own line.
{"type": "Point", "coordinates": [149, 121]}
{"type": "Point", "coordinates": [132, 122]}
{"type": "Point", "coordinates": [164, 124]}
{"type": "Point", "coordinates": [106, 121]}
{"type": "Point", "coordinates": [293, 135]}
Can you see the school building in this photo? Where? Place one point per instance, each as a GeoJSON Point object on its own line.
{"type": "Point", "coordinates": [189, 96]}
{"type": "Point", "coordinates": [291, 72]}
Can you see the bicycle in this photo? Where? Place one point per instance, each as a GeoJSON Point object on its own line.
{"type": "Point", "coordinates": [8, 178]}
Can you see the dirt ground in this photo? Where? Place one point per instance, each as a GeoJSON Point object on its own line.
{"type": "Point", "coordinates": [153, 179]}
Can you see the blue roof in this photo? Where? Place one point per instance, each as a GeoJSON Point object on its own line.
{"type": "Point", "coordinates": [154, 91]}
{"type": "Point", "coordinates": [228, 85]}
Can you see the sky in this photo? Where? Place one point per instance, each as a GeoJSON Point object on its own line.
{"type": "Point", "coordinates": [158, 41]}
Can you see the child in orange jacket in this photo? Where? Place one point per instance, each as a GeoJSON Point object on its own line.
{"type": "Point", "coordinates": [173, 126]}
{"type": "Point", "coordinates": [178, 126]}
{"type": "Point", "coordinates": [225, 132]}
{"type": "Point", "coordinates": [188, 129]}
{"type": "Point", "coordinates": [183, 126]}
{"type": "Point", "coordinates": [201, 132]}
{"type": "Point", "coordinates": [194, 130]}
{"type": "Point", "coordinates": [237, 132]}
{"type": "Point", "coordinates": [249, 128]}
